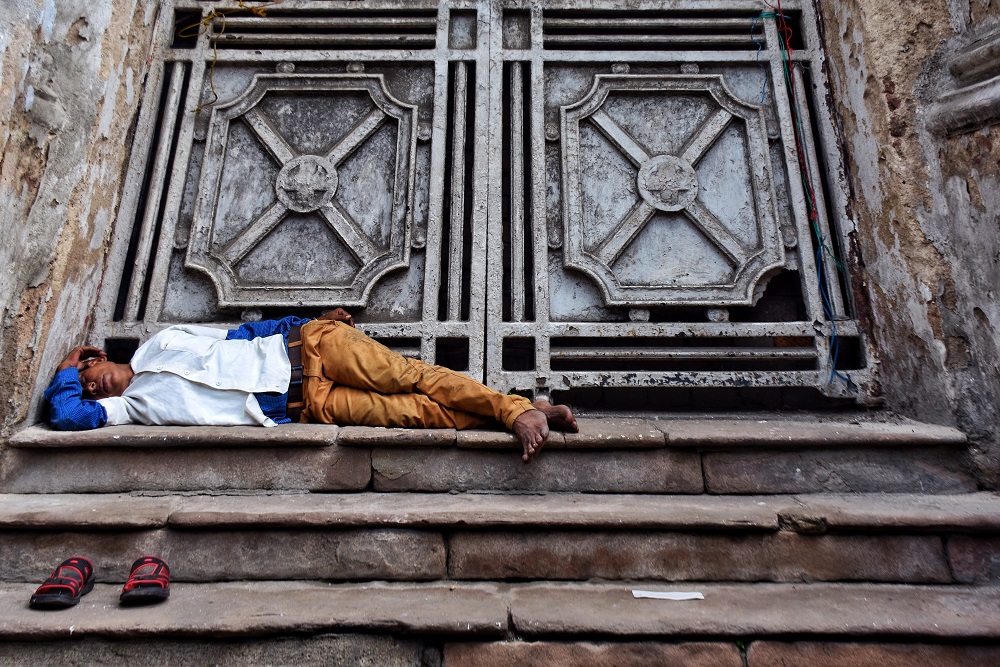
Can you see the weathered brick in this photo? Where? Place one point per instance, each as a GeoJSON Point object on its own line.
{"type": "Point", "coordinates": [974, 560]}
{"type": "Point", "coordinates": [783, 556]}
{"type": "Point", "coordinates": [586, 654]}
{"type": "Point", "coordinates": [648, 471]}
{"type": "Point", "coordinates": [921, 470]}
{"type": "Point", "coordinates": [830, 654]}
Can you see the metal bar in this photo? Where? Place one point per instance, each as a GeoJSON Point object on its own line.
{"type": "Point", "coordinates": [456, 243]}
{"type": "Point", "coordinates": [807, 272]}
{"type": "Point", "coordinates": [663, 353]}
{"type": "Point", "coordinates": [138, 159]}
{"type": "Point", "coordinates": [435, 195]}
{"type": "Point", "coordinates": [175, 195]}
{"type": "Point", "coordinates": [238, 55]}
{"type": "Point", "coordinates": [682, 329]}
{"type": "Point", "coordinates": [653, 40]}
{"type": "Point", "coordinates": [155, 191]}
{"type": "Point", "coordinates": [742, 24]}
{"type": "Point", "coordinates": [330, 22]}
{"type": "Point", "coordinates": [823, 221]}
{"type": "Point", "coordinates": [409, 41]}
{"type": "Point", "coordinates": [563, 380]}
{"type": "Point", "coordinates": [539, 213]}
{"type": "Point", "coordinates": [516, 192]}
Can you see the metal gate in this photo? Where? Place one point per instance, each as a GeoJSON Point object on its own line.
{"type": "Point", "coordinates": [548, 195]}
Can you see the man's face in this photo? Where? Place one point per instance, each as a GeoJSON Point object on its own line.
{"type": "Point", "coordinates": [102, 378]}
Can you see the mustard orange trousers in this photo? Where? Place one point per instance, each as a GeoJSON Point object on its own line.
{"type": "Point", "coordinates": [350, 379]}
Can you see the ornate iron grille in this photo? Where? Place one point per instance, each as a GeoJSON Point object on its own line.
{"type": "Point", "coordinates": [554, 196]}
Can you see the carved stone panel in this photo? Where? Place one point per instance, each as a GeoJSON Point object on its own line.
{"type": "Point", "coordinates": [662, 210]}
{"type": "Point", "coordinates": [306, 191]}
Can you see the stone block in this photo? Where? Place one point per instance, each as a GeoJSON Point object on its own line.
{"type": "Point", "coordinates": [782, 557]}
{"type": "Point", "coordinates": [68, 511]}
{"type": "Point", "coordinates": [588, 654]}
{"type": "Point", "coordinates": [974, 560]}
{"type": "Point", "coordinates": [136, 435]}
{"type": "Point", "coordinates": [371, 436]}
{"type": "Point", "coordinates": [949, 613]}
{"type": "Point", "coordinates": [966, 512]}
{"type": "Point", "coordinates": [321, 651]}
{"type": "Point", "coordinates": [831, 654]}
{"type": "Point", "coordinates": [652, 471]}
{"type": "Point", "coordinates": [818, 433]}
{"type": "Point", "coordinates": [121, 470]}
{"type": "Point", "coordinates": [615, 433]}
{"type": "Point", "coordinates": [480, 510]}
{"type": "Point", "coordinates": [241, 610]}
{"type": "Point", "coordinates": [923, 470]}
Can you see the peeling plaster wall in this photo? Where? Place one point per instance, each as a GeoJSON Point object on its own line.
{"type": "Point", "coordinates": [71, 73]}
{"type": "Point", "coordinates": [927, 210]}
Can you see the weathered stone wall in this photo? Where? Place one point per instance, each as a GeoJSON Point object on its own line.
{"type": "Point", "coordinates": [71, 75]}
{"type": "Point", "coordinates": [927, 208]}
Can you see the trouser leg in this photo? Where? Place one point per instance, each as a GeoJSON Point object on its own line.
{"type": "Point", "coordinates": [332, 404]}
{"type": "Point", "coordinates": [346, 357]}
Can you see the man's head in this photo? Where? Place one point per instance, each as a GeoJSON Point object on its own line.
{"type": "Point", "coordinates": [102, 378]}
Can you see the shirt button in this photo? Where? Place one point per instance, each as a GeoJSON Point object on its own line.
{"type": "Point", "coordinates": [218, 384]}
{"type": "Point", "coordinates": [159, 368]}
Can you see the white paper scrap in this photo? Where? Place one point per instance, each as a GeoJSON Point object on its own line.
{"type": "Point", "coordinates": [665, 595]}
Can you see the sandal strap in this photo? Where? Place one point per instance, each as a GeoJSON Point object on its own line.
{"type": "Point", "coordinates": [148, 571]}
{"type": "Point", "coordinates": [70, 575]}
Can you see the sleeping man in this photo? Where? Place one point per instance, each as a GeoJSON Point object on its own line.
{"type": "Point", "coordinates": [279, 371]}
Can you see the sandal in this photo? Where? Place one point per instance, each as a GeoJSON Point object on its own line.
{"type": "Point", "coordinates": [148, 582]}
{"type": "Point", "coordinates": [72, 579]}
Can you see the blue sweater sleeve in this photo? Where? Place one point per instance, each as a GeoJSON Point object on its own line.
{"type": "Point", "coordinates": [265, 328]}
{"type": "Point", "coordinates": [70, 411]}
{"type": "Point", "coordinates": [272, 405]}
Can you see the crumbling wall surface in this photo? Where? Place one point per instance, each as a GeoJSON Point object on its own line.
{"type": "Point", "coordinates": [71, 74]}
{"type": "Point", "coordinates": [927, 208]}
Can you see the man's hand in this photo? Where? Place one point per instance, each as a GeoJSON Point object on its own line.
{"type": "Point", "coordinates": [79, 355]}
{"type": "Point", "coordinates": [337, 315]}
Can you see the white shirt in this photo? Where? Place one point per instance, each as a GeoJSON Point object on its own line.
{"type": "Point", "coordinates": [192, 376]}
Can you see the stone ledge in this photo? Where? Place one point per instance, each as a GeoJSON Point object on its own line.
{"type": "Point", "coordinates": [245, 609]}
{"type": "Point", "coordinates": [727, 433]}
{"type": "Point", "coordinates": [716, 431]}
{"type": "Point", "coordinates": [134, 436]}
{"type": "Point", "coordinates": [758, 610]}
{"type": "Point", "coordinates": [463, 610]}
{"type": "Point", "coordinates": [892, 513]}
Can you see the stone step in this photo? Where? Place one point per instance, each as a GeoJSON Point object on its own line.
{"type": "Point", "coordinates": [425, 537]}
{"type": "Point", "coordinates": [813, 453]}
{"type": "Point", "coordinates": [463, 612]}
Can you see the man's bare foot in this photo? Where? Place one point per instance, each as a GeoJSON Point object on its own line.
{"type": "Point", "coordinates": [532, 428]}
{"type": "Point", "coordinates": [559, 416]}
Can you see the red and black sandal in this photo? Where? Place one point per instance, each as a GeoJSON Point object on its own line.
{"type": "Point", "coordinates": [71, 580]}
{"type": "Point", "coordinates": [149, 581]}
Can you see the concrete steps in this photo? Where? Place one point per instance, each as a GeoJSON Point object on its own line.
{"type": "Point", "coordinates": [852, 535]}
{"type": "Point", "coordinates": [677, 455]}
{"type": "Point", "coordinates": [492, 537]}
{"type": "Point", "coordinates": [479, 623]}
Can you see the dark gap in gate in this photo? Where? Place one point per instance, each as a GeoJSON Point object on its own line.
{"type": "Point", "coordinates": [601, 401]}
{"type": "Point", "coordinates": [468, 181]}
{"type": "Point", "coordinates": [529, 236]}
{"type": "Point", "coordinates": [140, 210]}
{"type": "Point", "coordinates": [505, 193]}
{"type": "Point", "coordinates": [452, 353]}
{"type": "Point", "coordinates": [186, 21]}
{"type": "Point", "coordinates": [446, 197]}
{"type": "Point", "coordinates": [161, 209]}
